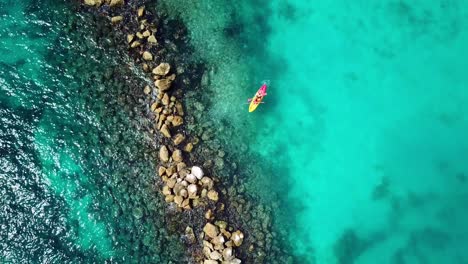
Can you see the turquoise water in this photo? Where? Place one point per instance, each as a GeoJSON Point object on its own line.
{"type": "Point", "coordinates": [361, 145]}
{"type": "Point", "coordinates": [363, 134]}
{"type": "Point", "coordinates": [76, 177]}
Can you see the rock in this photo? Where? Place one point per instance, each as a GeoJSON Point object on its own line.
{"type": "Point", "coordinates": [178, 139]}
{"type": "Point", "coordinates": [207, 182]}
{"type": "Point", "coordinates": [233, 261]}
{"type": "Point", "coordinates": [166, 190]}
{"type": "Point", "coordinates": [116, 19]}
{"type": "Point", "coordinates": [237, 237]}
{"type": "Point", "coordinates": [154, 106]}
{"type": "Point", "coordinates": [171, 182]}
{"type": "Point", "coordinates": [192, 190]}
{"type": "Point", "coordinates": [191, 178]}
{"type": "Point", "coordinates": [197, 172]}
{"type": "Point", "coordinates": [147, 90]}
{"type": "Point", "coordinates": [147, 56]}
{"type": "Point", "coordinates": [169, 198]}
{"type": "Point", "coordinates": [228, 254]}
{"type": "Point", "coordinates": [130, 37]}
{"type": "Point", "coordinates": [186, 204]}
{"type": "Point", "coordinates": [218, 241]}
{"type": "Point", "coordinates": [178, 200]}
{"type": "Point", "coordinates": [135, 44]}
{"type": "Point", "coordinates": [209, 214]}
{"type": "Point", "coordinates": [221, 224]}
{"type": "Point", "coordinates": [162, 69]}
{"type": "Point", "coordinates": [204, 192]}
{"type": "Point", "coordinates": [141, 11]}
{"type": "Point", "coordinates": [183, 193]}
{"type": "Point", "coordinates": [181, 166]}
{"type": "Point", "coordinates": [213, 195]}
{"type": "Point", "coordinates": [206, 251]}
{"type": "Point", "coordinates": [215, 255]}
{"type": "Point", "coordinates": [177, 155]}
{"type": "Point", "coordinates": [163, 84]}
{"type": "Point", "coordinates": [164, 154]}
{"type": "Point", "coordinates": [165, 131]}
{"type": "Point", "coordinates": [139, 35]}
{"type": "Point", "coordinates": [190, 235]}
{"type": "Point", "coordinates": [91, 2]}
{"type": "Point", "coordinates": [177, 121]}
{"type": "Point", "coordinates": [210, 261]}
{"type": "Point", "coordinates": [116, 3]}
{"type": "Point", "coordinates": [152, 39]}
{"type": "Point", "coordinates": [188, 147]}
{"type": "Point", "coordinates": [179, 108]}
{"type": "Point", "coordinates": [161, 170]}
{"type": "Point", "coordinates": [165, 99]}
{"type": "Point", "coordinates": [146, 33]}
{"type": "Point", "coordinates": [208, 245]}
{"type": "Point", "coordinates": [211, 230]}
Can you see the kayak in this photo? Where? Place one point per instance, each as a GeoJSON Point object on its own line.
{"type": "Point", "coordinates": [258, 97]}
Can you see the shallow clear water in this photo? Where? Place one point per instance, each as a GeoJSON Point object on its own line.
{"type": "Point", "coordinates": [76, 177]}
{"type": "Point", "coordinates": [363, 134]}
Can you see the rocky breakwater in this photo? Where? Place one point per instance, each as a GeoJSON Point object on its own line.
{"type": "Point", "coordinates": [182, 184]}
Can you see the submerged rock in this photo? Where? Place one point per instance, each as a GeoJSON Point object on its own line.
{"type": "Point", "coordinates": [178, 139]}
{"type": "Point", "coordinates": [190, 235]}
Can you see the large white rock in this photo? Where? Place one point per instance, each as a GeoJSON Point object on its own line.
{"type": "Point", "coordinates": [197, 171]}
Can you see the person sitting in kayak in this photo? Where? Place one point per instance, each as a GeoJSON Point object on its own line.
{"type": "Point", "coordinates": [258, 98]}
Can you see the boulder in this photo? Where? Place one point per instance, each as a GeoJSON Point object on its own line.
{"type": "Point", "coordinates": [141, 11]}
{"type": "Point", "coordinates": [178, 139]}
{"type": "Point", "coordinates": [152, 39]}
{"type": "Point", "coordinates": [163, 84]}
{"type": "Point", "coordinates": [188, 147]}
{"type": "Point", "coordinates": [211, 230]}
{"type": "Point", "coordinates": [91, 2]}
{"type": "Point", "coordinates": [147, 90]}
{"type": "Point", "coordinates": [213, 195]}
{"type": "Point", "coordinates": [165, 131]}
{"type": "Point", "coordinates": [169, 198]}
{"type": "Point", "coordinates": [146, 33]}
{"type": "Point", "coordinates": [209, 214]}
{"type": "Point", "coordinates": [166, 190]}
{"type": "Point", "coordinates": [165, 99]}
{"type": "Point", "coordinates": [192, 190]}
{"type": "Point", "coordinates": [161, 170]}
{"type": "Point", "coordinates": [197, 172]}
{"type": "Point", "coordinates": [147, 56]}
{"type": "Point", "coordinates": [210, 261]}
{"type": "Point", "coordinates": [177, 121]}
{"type": "Point", "coordinates": [237, 237]}
{"type": "Point", "coordinates": [171, 182]}
{"type": "Point", "coordinates": [162, 69]}
{"type": "Point", "coordinates": [130, 37]}
{"type": "Point", "coordinates": [191, 178]}
{"type": "Point", "coordinates": [178, 200]}
{"type": "Point", "coordinates": [215, 255]}
{"type": "Point", "coordinates": [228, 254]}
{"type": "Point", "coordinates": [116, 3]}
{"type": "Point", "coordinates": [116, 19]}
{"type": "Point", "coordinates": [207, 182]}
{"type": "Point", "coordinates": [164, 154]}
{"type": "Point", "coordinates": [135, 44]}
{"type": "Point", "coordinates": [181, 166]}
{"type": "Point", "coordinates": [177, 155]}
